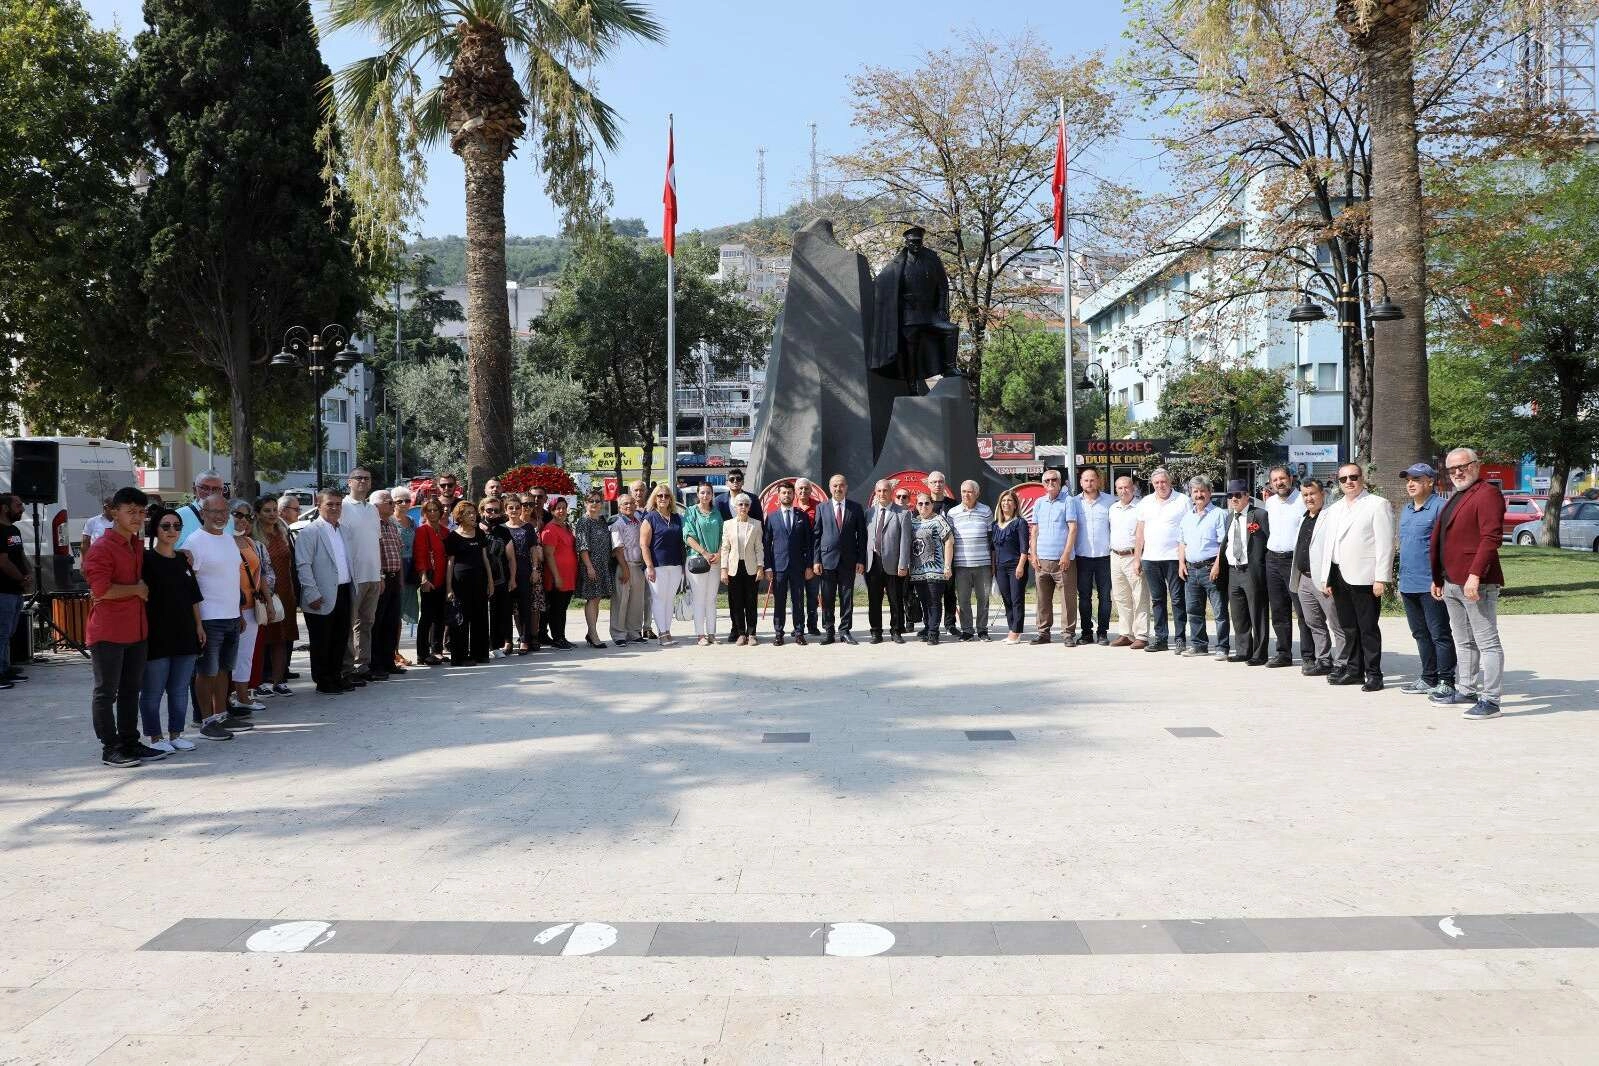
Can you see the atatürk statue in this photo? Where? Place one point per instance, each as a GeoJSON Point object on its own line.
{"type": "Point", "coordinates": [912, 336]}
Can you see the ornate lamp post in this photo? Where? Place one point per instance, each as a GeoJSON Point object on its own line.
{"type": "Point", "coordinates": [327, 352]}
{"type": "Point", "coordinates": [1347, 306]}
{"type": "Point", "coordinates": [1096, 375]}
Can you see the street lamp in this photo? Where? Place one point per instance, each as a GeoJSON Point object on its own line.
{"type": "Point", "coordinates": [1348, 317]}
{"type": "Point", "coordinates": [1100, 380]}
{"type": "Point", "coordinates": [317, 354]}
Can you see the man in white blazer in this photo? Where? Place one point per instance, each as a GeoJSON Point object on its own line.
{"type": "Point", "coordinates": [1354, 566]}
{"type": "Point", "coordinates": [326, 583]}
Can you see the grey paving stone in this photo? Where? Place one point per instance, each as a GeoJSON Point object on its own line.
{"type": "Point", "coordinates": [1040, 938]}
{"type": "Point", "coordinates": [1553, 930]}
{"type": "Point", "coordinates": [1341, 934]}
{"type": "Point", "coordinates": [1192, 731]}
{"type": "Point", "coordinates": [203, 934]}
{"type": "Point", "coordinates": [990, 734]}
{"type": "Point", "coordinates": [785, 738]}
{"type": "Point", "coordinates": [695, 938]}
{"type": "Point", "coordinates": [441, 938]}
{"type": "Point", "coordinates": [1128, 937]}
{"type": "Point", "coordinates": [519, 938]}
{"type": "Point", "coordinates": [1209, 936]}
{"type": "Point", "coordinates": [783, 938]}
{"type": "Point", "coordinates": [362, 938]}
{"type": "Point", "coordinates": [942, 938]}
{"type": "Point", "coordinates": [1478, 931]}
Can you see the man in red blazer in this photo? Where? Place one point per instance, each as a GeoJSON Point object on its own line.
{"type": "Point", "coordinates": [1467, 578]}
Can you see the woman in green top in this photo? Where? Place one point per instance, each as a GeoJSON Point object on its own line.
{"type": "Point", "coordinates": [702, 534]}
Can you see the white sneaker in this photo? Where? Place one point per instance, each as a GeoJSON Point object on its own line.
{"type": "Point", "coordinates": [180, 744]}
{"type": "Point", "coordinates": [253, 705]}
{"type": "Point", "coordinates": [165, 745]}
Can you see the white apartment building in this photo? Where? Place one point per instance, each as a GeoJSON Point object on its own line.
{"type": "Point", "coordinates": [1143, 326]}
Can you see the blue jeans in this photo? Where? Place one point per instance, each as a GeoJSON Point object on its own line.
{"type": "Point", "coordinates": [1435, 641]}
{"type": "Point", "coordinates": [1198, 589]}
{"type": "Point", "coordinates": [168, 676]}
{"type": "Point", "coordinates": [1160, 577]}
{"type": "Point", "coordinates": [10, 609]}
{"type": "Point", "coordinates": [221, 649]}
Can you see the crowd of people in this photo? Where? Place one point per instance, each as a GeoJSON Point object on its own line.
{"type": "Point", "coordinates": [194, 609]}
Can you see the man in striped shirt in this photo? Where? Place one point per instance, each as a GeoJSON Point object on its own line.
{"type": "Point", "coordinates": [974, 559]}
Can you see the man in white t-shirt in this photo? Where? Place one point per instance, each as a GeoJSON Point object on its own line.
{"type": "Point", "coordinates": [96, 526]}
{"type": "Point", "coordinates": [1160, 520]}
{"type": "Point", "coordinates": [207, 483]}
{"type": "Point", "coordinates": [359, 528]}
{"type": "Point", "coordinates": [214, 555]}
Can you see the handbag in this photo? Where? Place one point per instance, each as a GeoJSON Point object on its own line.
{"type": "Point", "coordinates": [698, 565]}
{"type": "Point", "coordinates": [268, 609]}
{"type": "Point", "coordinates": [457, 617]}
{"type": "Point", "coordinates": [683, 604]}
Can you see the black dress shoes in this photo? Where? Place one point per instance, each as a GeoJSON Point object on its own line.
{"type": "Point", "coordinates": [1343, 677]}
{"type": "Point", "coordinates": [777, 641]}
{"type": "Point", "coordinates": [1373, 683]}
{"type": "Point", "coordinates": [877, 638]}
{"type": "Point", "coordinates": [847, 637]}
{"type": "Point", "coordinates": [827, 639]}
{"type": "Point", "coordinates": [1258, 662]}
{"type": "Point", "coordinates": [899, 638]}
{"type": "Point", "coordinates": [1315, 670]}
{"type": "Point", "coordinates": [1279, 662]}
{"type": "Point", "coordinates": [1238, 658]}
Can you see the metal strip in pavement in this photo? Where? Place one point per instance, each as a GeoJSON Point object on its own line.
{"type": "Point", "coordinates": [1172, 936]}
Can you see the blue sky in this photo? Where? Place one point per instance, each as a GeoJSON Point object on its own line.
{"type": "Point", "coordinates": [739, 74]}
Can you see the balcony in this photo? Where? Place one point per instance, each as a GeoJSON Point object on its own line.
{"type": "Point", "coordinates": [1321, 408]}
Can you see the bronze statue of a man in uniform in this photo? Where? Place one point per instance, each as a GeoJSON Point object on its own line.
{"type": "Point", "coordinates": [912, 337]}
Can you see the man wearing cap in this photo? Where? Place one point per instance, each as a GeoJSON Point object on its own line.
{"type": "Point", "coordinates": [1241, 564]}
{"type": "Point", "coordinates": [1466, 577]}
{"type": "Point", "coordinates": [1428, 618]}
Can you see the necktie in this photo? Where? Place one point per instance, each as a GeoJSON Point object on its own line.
{"type": "Point", "coordinates": [838, 515]}
{"type": "Point", "coordinates": [877, 536]}
{"type": "Point", "coordinates": [1238, 539]}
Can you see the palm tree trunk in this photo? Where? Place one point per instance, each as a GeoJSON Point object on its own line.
{"type": "Point", "coordinates": [488, 330]}
{"type": "Point", "coordinates": [1401, 430]}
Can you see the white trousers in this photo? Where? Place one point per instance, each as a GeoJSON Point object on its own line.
{"type": "Point", "coordinates": [663, 590]}
{"type": "Point", "coordinates": [703, 588]}
{"type": "Point", "coordinates": [241, 665]}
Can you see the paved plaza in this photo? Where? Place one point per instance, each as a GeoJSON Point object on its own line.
{"type": "Point", "coordinates": [846, 855]}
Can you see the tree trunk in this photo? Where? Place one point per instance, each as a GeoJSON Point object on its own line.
{"type": "Point", "coordinates": [1360, 393]}
{"type": "Point", "coordinates": [1401, 426]}
{"type": "Point", "coordinates": [1557, 499]}
{"type": "Point", "coordinates": [237, 371]}
{"type": "Point", "coordinates": [648, 470]}
{"type": "Point", "coordinates": [488, 326]}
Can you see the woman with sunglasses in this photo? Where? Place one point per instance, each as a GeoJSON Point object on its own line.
{"type": "Point", "coordinates": [527, 599]}
{"type": "Point", "coordinates": [277, 639]}
{"type": "Point", "coordinates": [172, 610]}
{"type": "Point", "coordinates": [256, 581]}
{"type": "Point", "coordinates": [661, 542]}
{"type": "Point", "coordinates": [932, 562]}
{"type": "Point", "coordinates": [593, 538]}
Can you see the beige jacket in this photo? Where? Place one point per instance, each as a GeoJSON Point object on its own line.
{"type": "Point", "coordinates": [742, 540]}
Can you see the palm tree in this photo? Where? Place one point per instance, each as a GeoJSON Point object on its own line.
{"type": "Point", "coordinates": [477, 72]}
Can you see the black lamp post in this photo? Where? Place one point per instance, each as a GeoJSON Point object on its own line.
{"type": "Point", "coordinates": [1348, 316]}
{"type": "Point", "coordinates": [1103, 382]}
{"type": "Point", "coordinates": [327, 352]}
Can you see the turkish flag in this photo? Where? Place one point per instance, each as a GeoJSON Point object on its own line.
{"type": "Point", "coordinates": [1057, 184]}
{"type": "Point", "coordinates": [669, 198]}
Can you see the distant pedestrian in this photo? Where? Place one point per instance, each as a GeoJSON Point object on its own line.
{"type": "Point", "coordinates": [888, 563]}
{"type": "Point", "coordinates": [218, 566]}
{"type": "Point", "coordinates": [702, 535]}
{"type": "Point", "coordinates": [277, 639]}
{"type": "Point", "coordinates": [468, 587]}
{"type": "Point", "coordinates": [1242, 568]}
{"type": "Point", "coordinates": [1197, 550]}
{"type": "Point", "coordinates": [391, 562]}
{"type": "Point", "coordinates": [630, 597]}
{"type": "Point", "coordinates": [973, 524]}
{"type": "Point", "coordinates": [1467, 577]}
{"type": "Point", "coordinates": [661, 542]}
{"type": "Point", "coordinates": [560, 572]}
{"type": "Point", "coordinates": [528, 595]}
{"type": "Point", "coordinates": [326, 589]}
{"type": "Point", "coordinates": [1284, 511]}
{"type": "Point", "coordinates": [14, 582]}
{"type": "Point", "coordinates": [742, 559]}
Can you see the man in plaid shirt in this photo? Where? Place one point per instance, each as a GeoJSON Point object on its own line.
{"type": "Point", "coordinates": [386, 622]}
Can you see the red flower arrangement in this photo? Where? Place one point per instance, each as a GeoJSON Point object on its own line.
{"type": "Point", "coordinates": [1254, 527]}
{"type": "Point", "coordinates": [552, 479]}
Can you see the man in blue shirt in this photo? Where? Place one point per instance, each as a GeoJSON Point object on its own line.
{"type": "Point", "coordinates": [1429, 618]}
{"type": "Point", "coordinates": [1196, 556]}
{"type": "Point", "coordinates": [1053, 538]}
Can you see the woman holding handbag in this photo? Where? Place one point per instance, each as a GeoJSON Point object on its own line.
{"type": "Point", "coordinates": [255, 588]}
{"type": "Point", "coordinates": [661, 542]}
{"type": "Point", "coordinates": [430, 563]}
{"type": "Point", "coordinates": [702, 534]}
{"type": "Point", "coordinates": [278, 638]}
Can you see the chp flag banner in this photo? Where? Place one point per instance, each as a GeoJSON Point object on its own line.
{"type": "Point", "coordinates": [669, 243]}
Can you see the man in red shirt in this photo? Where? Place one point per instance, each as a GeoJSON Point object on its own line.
{"type": "Point", "coordinates": [1466, 576]}
{"type": "Point", "coordinates": [114, 568]}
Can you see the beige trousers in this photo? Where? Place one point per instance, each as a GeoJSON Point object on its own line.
{"type": "Point", "coordinates": [1131, 597]}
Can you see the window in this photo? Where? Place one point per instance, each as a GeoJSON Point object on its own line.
{"type": "Point", "coordinates": [1327, 377]}
{"type": "Point", "coordinates": [336, 462]}
{"type": "Point", "coordinates": [335, 410]}
{"type": "Point", "coordinates": [1138, 392]}
{"type": "Point", "coordinates": [1138, 348]}
{"type": "Point", "coordinates": [1325, 436]}
{"type": "Point", "coordinates": [1121, 397]}
{"type": "Point", "coordinates": [1307, 375]}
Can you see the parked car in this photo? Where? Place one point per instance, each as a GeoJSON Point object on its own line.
{"type": "Point", "coordinates": [1519, 510]}
{"type": "Point", "coordinates": [1579, 525]}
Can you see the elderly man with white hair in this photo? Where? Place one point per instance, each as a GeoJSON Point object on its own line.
{"type": "Point", "coordinates": [207, 483]}
{"type": "Point", "coordinates": [974, 559]}
{"type": "Point", "coordinates": [391, 562]}
{"type": "Point", "coordinates": [1467, 577]}
{"type": "Point", "coordinates": [813, 583]}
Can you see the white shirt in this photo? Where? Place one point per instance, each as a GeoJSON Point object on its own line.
{"type": "Point", "coordinates": [341, 554]}
{"type": "Point", "coordinates": [216, 562]}
{"type": "Point", "coordinates": [1123, 525]}
{"type": "Point", "coordinates": [1284, 517]}
{"type": "Point", "coordinates": [1162, 521]}
{"type": "Point", "coordinates": [1238, 539]}
{"type": "Point", "coordinates": [359, 525]}
{"type": "Point", "coordinates": [1093, 532]}
{"type": "Point", "coordinates": [96, 526]}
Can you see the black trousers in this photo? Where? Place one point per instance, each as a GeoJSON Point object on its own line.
{"type": "Point", "coordinates": [949, 610]}
{"type": "Point", "coordinates": [556, 602]}
{"type": "Point", "coordinates": [789, 589]}
{"type": "Point", "coordinates": [813, 599]}
{"type": "Point", "coordinates": [1093, 578]}
{"type": "Point", "coordinates": [932, 593]}
{"type": "Point", "coordinates": [878, 583]}
{"type": "Point", "coordinates": [118, 677]}
{"type": "Point", "coordinates": [470, 640]}
{"type": "Point", "coordinates": [1358, 613]}
{"type": "Point", "coordinates": [1279, 574]}
{"type": "Point", "coordinates": [386, 626]}
{"type": "Point", "coordinates": [522, 608]}
{"type": "Point", "coordinates": [1013, 594]}
{"type": "Point", "coordinates": [741, 602]}
{"type": "Point", "coordinates": [838, 598]}
{"type": "Point", "coordinates": [430, 625]}
{"type": "Point", "coordinates": [500, 605]}
{"type": "Point", "coordinates": [329, 636]}
{"type": "Point", "coordinates": [1246, 601]}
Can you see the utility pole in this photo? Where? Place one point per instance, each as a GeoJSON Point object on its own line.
{"type": "Point", "coordinates": [816, 173]}
{"type": "Point", "coordinates": [760, 181]}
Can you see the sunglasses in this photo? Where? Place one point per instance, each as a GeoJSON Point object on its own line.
{"type": "Point", "coordinates": [1345, 479]}
{"type": "Point", "coordinates": [1462, 468]}
{"type": "Point", "coordinates": [1236, 495]}
{"type": "Point", "coordinates": [174, 527]}
{"type": "Point", "coordinates": [902, 499]}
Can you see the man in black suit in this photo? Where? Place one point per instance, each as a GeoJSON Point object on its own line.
{"type": "Point", "coordinates": [840, 557]}
{"type": "Point", "coordinates": [789, 551]}
{"type": "Point", "coordinates": [1242, 559]}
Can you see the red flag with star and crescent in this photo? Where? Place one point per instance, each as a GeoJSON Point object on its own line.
{"type": "Point", "coordinates": [1057, 184]}
{"type": "Point", "coordinates": [669, 198]}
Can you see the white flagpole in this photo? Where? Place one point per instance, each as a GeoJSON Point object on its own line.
{"type": "Point", "coordinates": [1066, 317]}
{"type": "Point", "coordinates": [671, 353]}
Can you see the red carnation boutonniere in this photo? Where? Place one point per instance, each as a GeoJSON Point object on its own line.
{"type": "Point", "coordinates": [1254, 527]}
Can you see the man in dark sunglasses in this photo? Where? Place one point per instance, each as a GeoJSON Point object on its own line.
{"type": "Point", "coordinates": [1354, 569]}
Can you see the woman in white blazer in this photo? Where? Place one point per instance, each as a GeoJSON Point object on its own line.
{"type": "Point", "coordinates": [743, 559]}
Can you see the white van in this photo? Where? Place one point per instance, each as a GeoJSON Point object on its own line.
{"type": "Point", "coordinates": [90, 470]}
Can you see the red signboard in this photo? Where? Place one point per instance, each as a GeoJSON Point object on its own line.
{"type": "Point", "coordinates": [915, 481]}
{"type": "Point", "coordinates": [1006, 445]}
{"type": "Point", "coordinates": [818, 496]}
{"type": "Point", "coordinates": [1028, 493]}
{"type": "Point", "coordinates": [612, 489]}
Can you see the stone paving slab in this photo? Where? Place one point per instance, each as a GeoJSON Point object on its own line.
{"type": "Point", "coordinates": [1329, 832]}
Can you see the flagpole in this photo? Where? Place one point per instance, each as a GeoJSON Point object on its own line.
{"type": "Point", "coordinates": [1066, 318]}
{"type": "Point", "coordinates": [671, 342]}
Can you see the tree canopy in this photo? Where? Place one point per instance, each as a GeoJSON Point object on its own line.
{"type": "Point", "coordinates": [1223, 412]}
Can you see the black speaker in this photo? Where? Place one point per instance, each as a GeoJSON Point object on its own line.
{"type": "Point", "coordinates": [36, 470]}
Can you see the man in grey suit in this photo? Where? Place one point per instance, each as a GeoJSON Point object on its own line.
{"type": "Point", "coordinates": [888, 562]}
{"type": "Point", "coordinates": [1241, 564]}
{"type": "Point", "coordinates": [326, 590]}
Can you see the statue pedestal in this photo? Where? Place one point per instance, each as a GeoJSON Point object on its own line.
{"type": "Point", "coordinates": [935, 432]}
